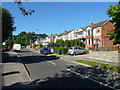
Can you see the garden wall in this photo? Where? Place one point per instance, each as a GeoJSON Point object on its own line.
{"type": "Point", "coordinates": [108, 56]}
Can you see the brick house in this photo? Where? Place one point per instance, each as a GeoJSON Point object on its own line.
{"type": "Point", "coordinates": [96, 34]}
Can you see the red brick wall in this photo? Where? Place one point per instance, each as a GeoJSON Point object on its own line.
{"type": "Point", "coordinates": [105, 29]}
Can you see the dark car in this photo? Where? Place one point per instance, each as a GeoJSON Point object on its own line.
{"type": "Point", "coordinates": [45, 51]}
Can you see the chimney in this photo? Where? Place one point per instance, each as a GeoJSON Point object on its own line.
{"type": "Point", "coordinates": [91, 23]}
{"type": "Point", "coordinates": [65, 31]}
{"type": "Point", "coordinates": [51, 34]}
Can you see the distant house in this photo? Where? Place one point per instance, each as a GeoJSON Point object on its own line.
{"type": "Point", "coordinates": [37, 42]}
{"type": "Point", "coordinates": [56, 37]}
{"type": "Point", "coordinates": [72, 34]}
{"type": "Point", "coordinates": [81, 34]}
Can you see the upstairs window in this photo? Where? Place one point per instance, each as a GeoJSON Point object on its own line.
{"type": "Point", "coordinates": [98, 31]}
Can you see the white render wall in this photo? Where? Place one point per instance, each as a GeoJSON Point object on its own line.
{"type": "Point", "coordinates": [94, 32]}
{"type": "Point", "coordinates": [89, 28]}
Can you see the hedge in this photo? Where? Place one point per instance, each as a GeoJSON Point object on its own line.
{"type": "Point", "coordinates": [63, 50]}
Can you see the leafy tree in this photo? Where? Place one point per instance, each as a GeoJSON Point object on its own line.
{"type": "Point", "coordinates": [67, 43]}
{"type": "Point", "coordinates": [60, 42]}
{"type": "Point", "coordinates": [53, 45]}
{"type": "Point", "coordinates": [7, 24]}
{"type": "Point", "coordinates": [32, 37]}
{"type": "Point", "coordinates": [41, 36]}
{"type": "Point", "coordinates": [114, 12]}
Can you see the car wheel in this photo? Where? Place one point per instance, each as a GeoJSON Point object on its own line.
{"type": "Point", "coordinates": [84, 52]}
{"type": "Point", "coordinates": [74, 53]}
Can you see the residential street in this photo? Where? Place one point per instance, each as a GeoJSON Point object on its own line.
{"type": "Point", "coordinates": [60, 44]}
{"type": "Point", "coordinates": [51, 72]}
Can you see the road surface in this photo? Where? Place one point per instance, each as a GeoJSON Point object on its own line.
{"type": "Point", "coordinates": [53, 72]}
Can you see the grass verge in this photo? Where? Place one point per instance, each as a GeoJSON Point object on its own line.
{"type": "Point", "coordinates": [109, 67]}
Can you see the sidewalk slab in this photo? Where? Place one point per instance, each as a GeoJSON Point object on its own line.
{"type": "Point", "coordinates": [14, 74]}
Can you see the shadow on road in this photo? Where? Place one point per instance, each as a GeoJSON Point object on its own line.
{"type": "Point", "coordinates": [27, 59]}
{"type": "Point", "coordinates": [9, 73]}
{"type": "Point", "coordinates": [66, 79]}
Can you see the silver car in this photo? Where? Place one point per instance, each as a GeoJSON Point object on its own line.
{"type": "Point", "coordinates": [76, 50]}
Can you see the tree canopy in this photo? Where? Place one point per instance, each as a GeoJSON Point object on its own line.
{"type": "Point", "coordinates": [7, 24]}
{"type": "Point", "coordinates": [114, 12]}
{"type": "Point", "coordinates": [25, 38]}
{"type": "Point", "coordinates": [69, 43]}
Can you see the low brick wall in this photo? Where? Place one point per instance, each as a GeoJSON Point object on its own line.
{"type": "Point", "coordinates": [108, 56]}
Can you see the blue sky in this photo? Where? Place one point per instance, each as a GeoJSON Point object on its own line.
{"type": "Point", "coordinates": [55, 17]}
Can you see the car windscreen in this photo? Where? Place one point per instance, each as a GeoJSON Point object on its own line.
{"type": "Point", "coordinates": [70, 48]}
{"type": "Point", "coordinates": [46, 49]}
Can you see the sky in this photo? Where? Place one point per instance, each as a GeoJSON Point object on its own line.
{"type": "Point", "coordinates": [55, 17]}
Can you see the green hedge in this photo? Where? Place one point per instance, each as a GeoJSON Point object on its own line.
{"type": "Point", "coordinates": [63, 50]}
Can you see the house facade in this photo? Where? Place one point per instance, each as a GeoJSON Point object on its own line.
{"type": "Point", "coordinates": [96, 34]}
{"type": "Point", "coordinates": [93, 35]}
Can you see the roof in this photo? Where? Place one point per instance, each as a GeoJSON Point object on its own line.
{"type": "Point", "coordinates": [65, 33]}
{"type": "Point", "coordinates": [99, 24]}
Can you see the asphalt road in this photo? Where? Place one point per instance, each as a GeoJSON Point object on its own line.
{"type": "Point", "coordinates": [53, 72]}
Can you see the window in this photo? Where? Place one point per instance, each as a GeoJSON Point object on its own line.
{"type": "Point", "coordinates": [80, 48]}
{"type": "Point", "coordinates": [61, 37]}
{"type": "Point", "coordinates": [70, 48]}
{"type": "Point", "coordinates": [75, 47]}
{"type": "Point", "coordinates": [80, 33]}
{"type": "Point", "coordinates": [89, 41]}
{"type": "Point", "coordinates": [88, 32]}
{"type": "Point", "coordinates": [97, 41]}
{"type": "Point", "coordinates": [98, 30]}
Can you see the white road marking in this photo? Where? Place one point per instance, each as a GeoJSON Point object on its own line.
{"type": "Point", "coordinates": [51, 62]}
{"type": "Point", "coordinates": [90, 78]}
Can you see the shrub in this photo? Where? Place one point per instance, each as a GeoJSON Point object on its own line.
{"type": "Point", "coordinates": [53, 45]}
{"type": "Point", "coordinates": [63, 50]}
{"type": "Point", "coordinates": [37, 47]}
{"type": "Point", "coordinates": [4, 46]}
{"type": "Point", "coordinates": [34, 45]}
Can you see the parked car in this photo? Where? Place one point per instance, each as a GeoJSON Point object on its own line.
{"type": "Point", "coordinates": [76, 50]}
{"type": "Point", "coordinates": [16, 47]}
{"type": "Point", "coordinates": [45, 51]}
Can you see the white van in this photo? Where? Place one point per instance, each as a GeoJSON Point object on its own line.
{"type": "Point", "coordinates": [16, 47]}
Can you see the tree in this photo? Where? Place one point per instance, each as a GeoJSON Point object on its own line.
{"type": "Point", "coordinates": [7, 24]}
{"type": "Point", "coordinates": [41, 36]}
{"type": "Point", "coordinates": [67, 43]}
{"type": "Point", "coordinates": [114, 12]}
{"type": "Point", "coordinates": [60, 42]}
{"type": "Point", "coordinates": [24, 11]}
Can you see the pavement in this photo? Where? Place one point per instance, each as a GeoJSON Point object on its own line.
{"type": "Point", "coordinates": [14, 74]}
